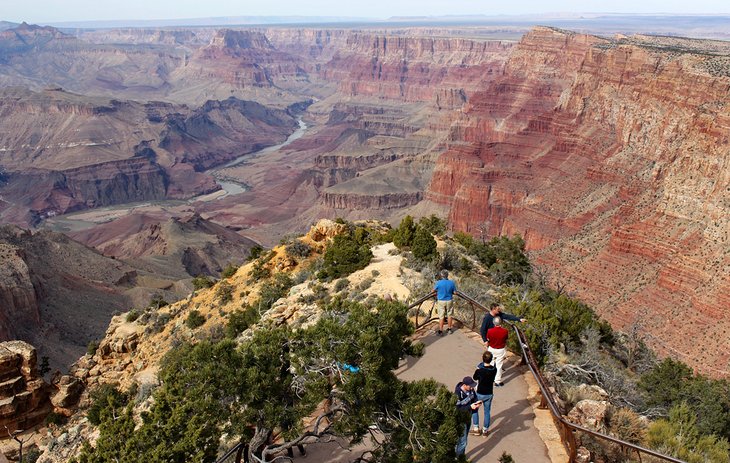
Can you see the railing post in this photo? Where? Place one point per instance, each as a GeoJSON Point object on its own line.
{"type": "Point", "coordinates": [239, 454]}
{"type": "Point", "coordinates": [473, 317]}
{"type": "Point", "coordinates": [572, 445]}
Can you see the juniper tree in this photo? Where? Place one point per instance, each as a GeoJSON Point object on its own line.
{"type": "Point", "coordinates": [338, 373]}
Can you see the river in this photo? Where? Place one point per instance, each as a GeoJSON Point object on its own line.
{"type": "Point", "coordinates": [82, 220]}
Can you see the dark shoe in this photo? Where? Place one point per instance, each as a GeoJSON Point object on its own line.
{"type": "Point", "coordinates": [485, 432]}
{"type": "Point", "coordinates": [448, 331]}
{"type": "Point", "coordinates": [439, 333]}
{"type": "Point", "coordinates": [499, 384]}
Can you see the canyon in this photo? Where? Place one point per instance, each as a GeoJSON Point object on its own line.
{"type": "Point", "coordinates": [609, 155]}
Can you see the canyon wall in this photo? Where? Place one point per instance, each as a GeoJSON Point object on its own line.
{"type": "Point", "coordinates": [61, 152]}
{"type": "Point", "coordinates": [610, 157]}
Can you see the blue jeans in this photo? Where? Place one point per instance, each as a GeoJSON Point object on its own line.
{"type": "Point", "coordinates": [461, 446]}
{"type": "Point", "coordinates": [486, 407]}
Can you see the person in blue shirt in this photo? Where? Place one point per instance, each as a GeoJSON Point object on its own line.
{"type": "Point", "coordinates": [445, 301]}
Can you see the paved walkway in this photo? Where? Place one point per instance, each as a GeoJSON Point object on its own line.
{"type": "Point", "coordinates": [447, 360]}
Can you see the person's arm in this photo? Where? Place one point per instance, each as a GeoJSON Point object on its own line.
{"type": "Point", "coordinates": [464, 403]}
{"type": "Point", "coordinates": [510, 317]}
{"type": "Point", "coordinates": [483, 329]}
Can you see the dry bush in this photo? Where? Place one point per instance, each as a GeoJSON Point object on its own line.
{"type": "Point", "coordinates": [627, 425]}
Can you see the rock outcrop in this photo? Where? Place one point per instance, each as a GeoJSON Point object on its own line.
{"type": "Point", "coordinates": [23, 393]}
{"type": "Point", "coordinates": [59, 294]}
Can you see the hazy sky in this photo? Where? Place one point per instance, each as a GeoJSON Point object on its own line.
{"type": "Point", "coordinates": [37, 11]}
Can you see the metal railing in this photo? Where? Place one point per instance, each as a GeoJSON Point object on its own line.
{"type": "Point", "coordinates": [567, 429]}
{"type": "Point", "coordinates": [233, 455]}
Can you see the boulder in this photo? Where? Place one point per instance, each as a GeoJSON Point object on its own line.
{"type": "Point", "coordinates": [591, 391]}
{"type": "Point", "coordinates": [590, 414]}
{"type": "Point", "coordinates": [28, 356]}
{"type": "Point", "coordinates": [69, 392]}
{"type": "Point", "coordinates": [583, 455]}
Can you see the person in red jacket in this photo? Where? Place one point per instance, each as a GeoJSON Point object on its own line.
{"type": "Point", "coordinates": [497, 345]}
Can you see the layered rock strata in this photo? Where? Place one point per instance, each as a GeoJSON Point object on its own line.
{"type": "Point", "coordinates": [24, 395]}
{"type": "Point", "coordinates": [615, 171]}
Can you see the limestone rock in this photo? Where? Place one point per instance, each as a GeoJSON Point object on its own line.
{"type": "Point", "coordinates": [325, 229]}
{"type": "Point", "coordinates": [23, 393]}
{"type": "Point", "coordinates": [590, 414]}
{"type": "Point", "coordinates": [591, 391]}
{"type": "Point", "coordinates": [583, 455]}
{"type": "Point", "coordinates": [69, 392]}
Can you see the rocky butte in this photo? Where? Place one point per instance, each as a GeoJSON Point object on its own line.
{"type": "Point", "coordinates": [609, 155]}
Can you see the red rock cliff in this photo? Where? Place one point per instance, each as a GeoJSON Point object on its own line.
{"type": "Point", "coordinates": [611, 158]}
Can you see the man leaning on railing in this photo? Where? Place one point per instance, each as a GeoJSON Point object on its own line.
{"type": "Point", "coordinates": [495, 310]}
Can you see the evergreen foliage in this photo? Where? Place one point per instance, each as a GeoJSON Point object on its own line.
{"type": "Point", "coordinates": [404, 234]}
{"type": "Point", "coordinates": [424, 245]}
{"type": "Point", "coordinates": [678, 436]}
{"type": "Point", "coordinates": [224, 292]}
{"type": "Point", "coordinates": [271, 291]}
{"type": "Point", "coordinates": [202, 282]}
{"type": "Point", "coordinates": [229, 271]}
{"type": "Point", "coordinates": [671, 382]}
{"type": "Point", "coordinates": [105, 397]}
{"type": "Point", "coordinates": [347, 253]}
{"type": "Point", "coordinates": [276, 379]}
{"type": "Point", "coordinates": [255, 252]}
{"type": "Point", "coordinates": [433, 224]}
{"type": "Point", "coordinates": [194, 319]}
{"type": "Point", "coordinates": [298, 248]}
{"type": "Point", "coordinates": [240, 320]}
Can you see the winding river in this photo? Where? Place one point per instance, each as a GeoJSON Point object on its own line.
{"type": "Point", "coordinates": [76, 221]}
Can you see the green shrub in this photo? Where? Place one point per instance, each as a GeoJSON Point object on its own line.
{"type": "Point", "coordinates": [202, 282]}
{"type": "Point", "coordinates": [464, 239]}
{"type": "Point", "coordinates": [240, 320]}
{"type": "Point", "coordinates": [55, 418]}
{"type": "Point", "coordinates": [132, 315]}
{"type": "Point", "coordinates": [224, 292]}
{"type": "Point", "coordinates": [194, 319]}
{"type": "Point", "coordinates": [341, 284]}
{"type": "Point", "coordinates": [404, 234]}
{"type": "Point", "coordinates": [298, 248]}
{"type": "Point", "coordinates": [255, 252]}
{"type": "Point", "coordinates": [271, 291]}
{"type": "Point", "coordinates": [229, 271]}
{"type": "Point", "coordinates": [92, 346]}
{"type": "Point", "coordinates": [365, 284]}
{"type": "Point", "coordinates": [259, 271]}
{"type": "Point", "coordinates": [157, 301]}
{"type": "Point", "coordinates": [104, 400]}
{"type": "Point", "coordinates": [31, 455]}
{"type": "Point", "coordinates": [434, 225]}
{"type": "Point", "coordinates": [159, 321]}
{"type": "Point", "coordinates": [344, 256]}
{"type": "Point", "coordinates": [678, 436]}
{"type": "Point", "coordinates": [424, 245]}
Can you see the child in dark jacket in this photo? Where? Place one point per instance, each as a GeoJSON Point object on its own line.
{"type": "Point", "coordinates": [485, 374]}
